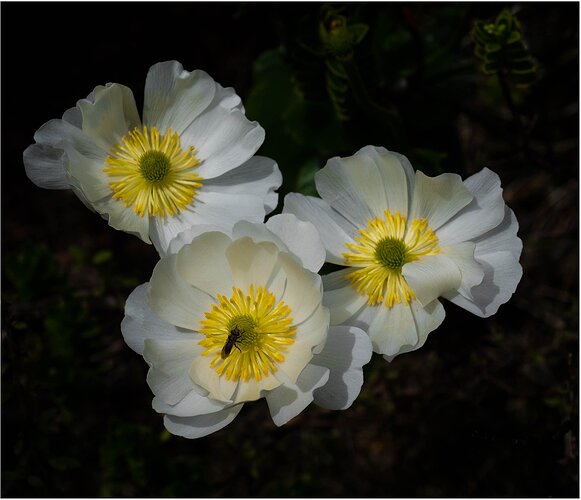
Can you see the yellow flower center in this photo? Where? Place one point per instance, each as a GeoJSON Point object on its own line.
{"type": "Point", "coordinates": [152, 174]}
{"type": "Point", "coordinates": [381, 251]}
{"type": "Point", "coordinates": [247, 334]}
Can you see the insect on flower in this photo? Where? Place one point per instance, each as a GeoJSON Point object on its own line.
{"type": "Point", "coordinates": [235, 334]}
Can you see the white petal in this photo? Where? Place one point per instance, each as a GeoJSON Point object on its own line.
{"type": "Point", "coordinates": [203, 264]}
{"type": "Point", "coordinates": [259, 176]}
{"type": "Point", "coordinates": [111, 116]}
{"type": "Point", "coordinates": [258, 232]}
{"type": "Point", "coordinates": [182, 238]}
{"type": "Point", "coordinates": [173, 299]}
{"type": "Point", "coordinates": [170, 361]}
{"type": "Point", "coordinates": [223, 209]}
{"type": "Point", "coordinates": [397, 177]}
{"type": "Point", "coordinates": [502, 275]}
{"type": "Point", "coordinates": [340, 297]}
{"type": "Point", "coordinates": [334, 229]}
{"type": "Point", "coordinates": [175, 97]}
{"type": "Point", "coordinates": [124, 218]}
{"type": "Point", "coordinates": [426, 319]}
{"type": "Point", "coordinates": [482, 214]}
{"type": "Point", "coordinates": [498, 252]}
{"type": "Point", "coordinates": [302, 239]}
{"type": "Point", "coordinates": [251, 263]}
{"type": "Point", "coordinates": [44, 165]}
{"type": "Point", "coordinates": [218, 387]}
{"type": "Point", "coordinates": [392, 329]}
{"type": "Point", "coordinates": [304, 290]}
{"type": "Point", "coordinates": [227, 98]}
{"type": "Point", "coordinates": [90, 176]}
{"type": "Point", "coordinates": [346, 351]}
{"type": "Point", "coordinates": [431, 276]}
{"type": "Point", "coordinates": [310, 337]}
{"type": "Point", "coordinates": [472, 272]}
{"type": "Point", "coordinates": [141, 323]}
{"type": "Point", "coordinates": [196, 427]}
{"type": "Point", "coordinates": [502, 238]}
{"type": "Point", "coordinates": [286, 402]}
{"type": "Point", "coordinates": [438, 199]}
{"type": "Point", "coordinates": [223, 139]}
{"type": "Point", "coordinates": [192, 405]}
{"type": "Point", "coordinates": [353, 187]}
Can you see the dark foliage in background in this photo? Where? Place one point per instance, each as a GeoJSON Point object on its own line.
{"type": "Point", "coordinates": [485, 408]}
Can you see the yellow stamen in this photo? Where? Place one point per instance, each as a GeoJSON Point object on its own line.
{"type": "Point", "coordinates": [152, 174]}
{"type": "Point", "coordinates": [257, 328]}
{"type": "Point", "coordinates": [382, 249]}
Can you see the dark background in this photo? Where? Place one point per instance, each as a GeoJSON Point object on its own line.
{"type": "Point", "coordinates": [488, 407]}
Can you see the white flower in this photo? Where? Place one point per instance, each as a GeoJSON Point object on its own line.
{"type": "Point", "coordinates": [190, 161]}
{"type": "Point", "coordinates": [231, 318]}
{"type": "Point", "coordinates": [407, 239]}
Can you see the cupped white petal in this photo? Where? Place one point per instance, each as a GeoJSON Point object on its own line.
{"type": "Point", "coordinates": [122, 218]}
{"type": "Point", "coordinates": [258, 232]}
{"type": "Point", "coordinates": [503, 238]}
{"type": "Point", "coordinates": [259, 176]}
{"type": "Point", "coordinates": [431, 276]}
{"type": "Point", "coordinates": [193, 404]}
{"type": "Point", "coordinates": [45, 166]}
{"type": "Point", "coordinates": [203, 264]}
{"type": "Point", "coordinates": [202, 425]}
{"type": "Point", "coordinates": [287, 401]}
{"type": "Point", "coordinates": [482, 214]}
{"type": "Point", "coordinates": [141, 323]}
{"type": "Point", "coordinates": [224, 139]}
{"type": "Point", "coordinates": [340, 297]}
{"type": "Point", "coordinates": [498, 252]}
{"type": "Point", "coordinates": [334, 229]}
{"type": "Point", "coordinates": [170, 361]}
{"type": "Point", "coordinates": [175, 300]}
{"type": "Point", "coordinates": [346, 351]}
{"type": "Point", "coordinates": [174, 97]}
{"type": "Point", "coordinates": [438, 199]}
{"type": "Point", "coordinates": [353, 187]}
{"type": "Point", "coordinates": [472, 272]}
{"type": "Point", "coordinates": [391, 329]}
{"type": "Point", "coordinates": [90, 176]}
{"type": "Point", "coordinates": [310, 337]}
{"type": "Point", "coordinates": [223, 209]}
{"type": "Point", "coordinates": [304, 289]}
{"type": "Point", "coordinates": [63, 135]}
{"type": "Point", "coordinates": [397, 177]}
{"type": "Point", "coordinates": [502, 273]}
{"type": "Point", "coordinates": [426, 320]}
{"type": "Point", "coordinates": [251, 263]}
{"type": "Point", "coordinates": [301, 238]}
{"type": "Point", "coordinates": [183, 237]}
{"type": "Point", "coordinates": [112, 114]}
{"type": "Point", "coordinates": [229, 391]}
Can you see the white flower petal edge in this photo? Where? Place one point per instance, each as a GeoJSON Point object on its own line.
{"type": "Point", "coordinates": [406, 240]}
{"type": "Point", "coordinates": [100, 150]}
{"type": "Point", "coordinates": [345, 374]}
{"type": "Point", "coordinates": [174, 321]}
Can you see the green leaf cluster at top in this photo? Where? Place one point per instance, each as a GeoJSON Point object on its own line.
{"type": "Point", "coordinates": [500, 49]}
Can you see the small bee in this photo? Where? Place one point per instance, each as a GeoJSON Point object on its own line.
{"type": "Point", "coordinates": [231, 342]}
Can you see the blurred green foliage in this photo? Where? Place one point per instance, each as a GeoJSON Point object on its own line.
{"type": "Point", "coordinates": [485, 408]}
{"type": "Point", "coordinates": [500, 47]}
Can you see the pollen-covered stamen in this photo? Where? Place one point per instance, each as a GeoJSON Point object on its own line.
{"type": "Point", "coordinates": [152, 174]}
{"type": "Point", "coordinates": [263, 331]}
{"type": "Point", "coordinates": [381, 251]}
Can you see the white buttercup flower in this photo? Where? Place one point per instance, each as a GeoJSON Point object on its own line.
{"type": "Point", "coordinates": [233, 317]}
{"type": "Point", "coordinates": [406, 239]}
{"type": "Point", "coordinates": [189, 161]}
